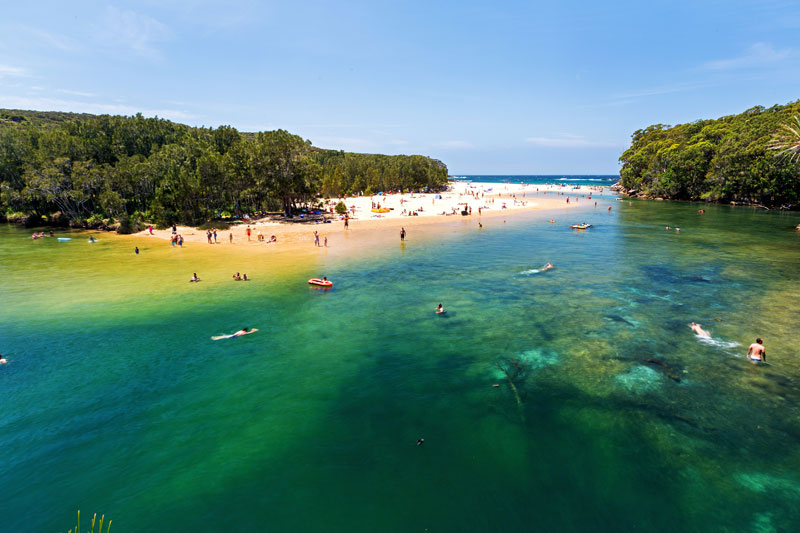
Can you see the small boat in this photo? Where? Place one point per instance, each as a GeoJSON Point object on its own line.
{"type": "Point", "coordinates": [581, 226]}
{"type": "Point", "coordinates": [320, 282]}
{"type": "Point", "coordinates": [64, 239]}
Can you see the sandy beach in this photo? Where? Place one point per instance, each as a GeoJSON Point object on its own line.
{"type": "Point", "coordinates": [422, 211]}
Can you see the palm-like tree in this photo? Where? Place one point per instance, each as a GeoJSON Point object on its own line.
{"type": "Point", "coordinates": [787, 141]}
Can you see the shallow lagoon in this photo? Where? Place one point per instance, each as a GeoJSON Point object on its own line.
{"type": "Point", "coordinates": [117, 401]}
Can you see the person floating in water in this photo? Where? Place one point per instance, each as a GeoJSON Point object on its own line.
{"type": "Point", "coordinates": [194, 277]}
{"type": "Point", "coordinates": [2, 360]}
{"type": "Point", "coordinates": [243, 331]}
{"type": "Point", "coordinates": [244, 277]}
{"type": "Point", "coordinates": [237, 277]}
{"type": "Point", "coordinates": [756, 353]}
{"type": "Point", "coordinates": [440, 310]}
{"type": "Point", "coordinates": [547, 266]}
{"type": "Point", "coordinates": [699, 331]}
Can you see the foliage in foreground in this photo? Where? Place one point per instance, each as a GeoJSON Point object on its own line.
{"type": "Point", "coordinates": [129, 168]}
{"type": "Point", "coordinates": [722, 160]}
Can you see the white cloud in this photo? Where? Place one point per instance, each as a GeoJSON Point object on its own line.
{"type": "Point", "coordinates": [664, 89]}
{"type": "Point", "coordinates": [138, 32]}
{"type": "Point", "coordinates": [568, 141]}
{"type": "Point", "coordinates": [76, 93]}
{"type": "Point", "coordinates": [7, 71]}
{"type": "Point", "coordinates": [757, 55]}
{"type": "Point", "coordinates": [455, 144]}
{"type": "Point", "coordinates": [51, 40]}
{"type": "Point", "coordinates": [55, 104]}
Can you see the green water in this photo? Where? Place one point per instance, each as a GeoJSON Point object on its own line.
{"type": "Point", "coordinates": [115, 399]}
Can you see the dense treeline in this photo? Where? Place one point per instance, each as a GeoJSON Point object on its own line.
{"type": "Point", "coordinates": [90, 168]}
{"type": "Point", "coordinates": [726, 159]}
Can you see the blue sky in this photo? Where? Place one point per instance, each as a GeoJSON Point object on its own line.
{"type": "Point", "coordinates": [505, 87]}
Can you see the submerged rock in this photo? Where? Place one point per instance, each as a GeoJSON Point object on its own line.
{"type": "Point", "coordinates": [639, 380]}
{"type": "Point", "coordinates": [761, 482]}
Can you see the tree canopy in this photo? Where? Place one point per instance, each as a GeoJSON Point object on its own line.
{"type": "Point", "coordinates": [100, 167]}
{"type": "Point", "coordinates": [726, 159]}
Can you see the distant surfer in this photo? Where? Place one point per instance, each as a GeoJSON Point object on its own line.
{"type": "Point", "coordinates": [756, 353]}
{"type": "Point", "coordinates": [699, 331]}
{"type": "Point", "coordinates": [440, 310]}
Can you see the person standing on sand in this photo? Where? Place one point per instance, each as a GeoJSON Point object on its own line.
{"type": "Point", "coordinates": [230, 238]}
{"type": "Point", "coordinates": [326, 242]}
{"type": "Point", "coordinates": [215, 236]}
{"type": "Point", "coordinates": [248, 232]}
{"type": "Point", "coordinates": [346, 222]}
{"type": "Point", "coordinates": [402, 234]}
{"type": "Point", "coordinates": [756, 353]}
{"type": "Point", "coordinates": [150, 228]}
{"type": "Point", "coordinates": [316, 238]}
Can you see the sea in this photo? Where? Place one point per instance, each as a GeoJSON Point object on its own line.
{"type": "Point", "coordinates": [589, 180]}
{"type": "Point", "coordinates": [570, 399]}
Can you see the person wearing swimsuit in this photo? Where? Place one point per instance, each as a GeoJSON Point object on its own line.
{"type": "Point", "coordinates": [756, 353]}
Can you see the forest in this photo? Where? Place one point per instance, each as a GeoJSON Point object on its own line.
{"type": "Point", "coordinates": [79, 169]}
{"type": "Point", "coordinates": [728, 159]}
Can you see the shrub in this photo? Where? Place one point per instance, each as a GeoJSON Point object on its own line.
{"type": "Point", "coordinates": [129, 224]}
{"type": "Point", "coordinates": [341, 208]}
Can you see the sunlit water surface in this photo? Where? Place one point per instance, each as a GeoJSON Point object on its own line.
{"type": "Point", "coordinates": [116, 400]}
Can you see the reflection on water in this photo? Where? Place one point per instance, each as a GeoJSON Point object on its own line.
{"type": "Point", "coordinates": [608, 412]}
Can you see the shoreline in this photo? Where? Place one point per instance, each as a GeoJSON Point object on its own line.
{"type": "Point", "coordinates": [494, 200]}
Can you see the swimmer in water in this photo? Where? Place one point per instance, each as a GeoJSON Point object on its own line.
{"type": "Point", "coordinates": [552, 221]}
{"type": "Point", "coordinates": [756, 353]}
{"type": "Point", "coordinates": [243, 331]}
{"type": "Point", "coordinates": [194, 277]}
{"type": "Point", "coordinates": [439, 309]}
{"type": "Point", "coordinates": [699, 331]}
{"type": "Point", "coordinates": [547, 266]}
{"type": "Point", "coordinates": [2, 360]}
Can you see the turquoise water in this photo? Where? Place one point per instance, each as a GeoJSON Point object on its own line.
{"type": "Point", "coordinates": [600, 180]}
{"type": "Point", "coordinates": [116, 401]}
